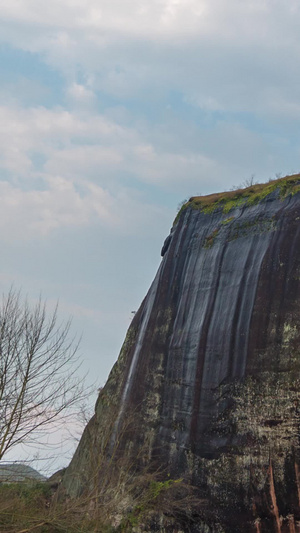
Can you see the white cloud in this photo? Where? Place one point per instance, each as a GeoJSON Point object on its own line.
{"type": "Point", "coordinates": [87, 162]}
{"type": "Point", "coordinates": [81, 94]}
{"type": "Point", "coordinates": [163, 19]}
{"type": "Point", "coordinates": [60, 136]}
{"type": "Point", "coordinates": [223, 56]}
{"type": "Point", "coordinates": [34, 213]}
{"type": "Point", "coordinates": [90, 147]}
{"type": "Point", "coordinates": [159, 100]}
{"type": "Point", "coordinates": [81, 180]}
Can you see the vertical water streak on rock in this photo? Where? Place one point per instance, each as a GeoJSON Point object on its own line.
{"type": "Point", "coordinates": [211, 370]}
{"type": "Point", "coordinates": [219, 359]}
{"type": "Point", "coordinates": [235, 339]}
{"type": "Point", "coordinates": [202, 349]}
{"type": "Point", "coordinates": [148, 306]}
{"type": "Point", "coordinates": [199, 269]}
{"type": "Point", "coordinates": [225, 349]}
{"type": "Point", "coordinates": [193, 276]}
{"type": "Point", "coordinates": [275, 296]}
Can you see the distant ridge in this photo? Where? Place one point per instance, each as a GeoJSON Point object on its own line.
{"type": "Point", "coordinates": [12, 473]}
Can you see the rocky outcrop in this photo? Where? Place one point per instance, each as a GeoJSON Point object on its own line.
{"type": "Point", "coordinates": [207, 383]}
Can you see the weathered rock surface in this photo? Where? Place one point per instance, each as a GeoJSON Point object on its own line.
{"type": "Point", "coordinates": [207, 382]}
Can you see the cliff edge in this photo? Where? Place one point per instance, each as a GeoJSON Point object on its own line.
{"type": "Point", "coordinates": [206, 387]}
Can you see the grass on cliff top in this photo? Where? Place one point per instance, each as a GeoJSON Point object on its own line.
{"type": "Point", "coordinates": [249, 196]}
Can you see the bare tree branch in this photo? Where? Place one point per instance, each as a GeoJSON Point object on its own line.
{"type": "Point", "coordinates": [39, 383]}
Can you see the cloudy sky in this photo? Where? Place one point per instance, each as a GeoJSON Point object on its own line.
{"type": "Point", "coordinates": [114, 111]}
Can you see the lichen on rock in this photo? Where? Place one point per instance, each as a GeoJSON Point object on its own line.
{"type": "Point", "coordinates": [206, 388]}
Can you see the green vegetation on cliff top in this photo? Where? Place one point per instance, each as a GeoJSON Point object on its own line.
{"type": "Point", "coordinates": [249, 196]}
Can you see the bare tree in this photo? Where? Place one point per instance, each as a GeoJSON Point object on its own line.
{"type": "Point", "coordinates": [39, 386]}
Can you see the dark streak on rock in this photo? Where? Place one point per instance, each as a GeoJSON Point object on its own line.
{"type": "Point", "coordinates": [215, 376]}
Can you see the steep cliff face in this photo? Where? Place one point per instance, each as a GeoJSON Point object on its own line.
{"type": "Point", "coordinates": [207, 382]}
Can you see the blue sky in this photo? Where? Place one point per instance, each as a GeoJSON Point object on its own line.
{"type": "Point", "coordinates": [112, 112]}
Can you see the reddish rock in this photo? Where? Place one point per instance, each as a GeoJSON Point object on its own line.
{"type": "Point", "coordinates": [207, 383]}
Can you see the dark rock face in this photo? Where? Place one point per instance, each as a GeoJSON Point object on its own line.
{"type": "Point", "coordinates": [209, 370]}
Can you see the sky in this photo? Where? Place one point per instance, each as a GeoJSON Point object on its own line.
{"type": "Point", "coordinates": [112, 112]}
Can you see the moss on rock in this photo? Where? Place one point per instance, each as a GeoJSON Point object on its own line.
{"type": "Point", "coordinates": [226, 201]}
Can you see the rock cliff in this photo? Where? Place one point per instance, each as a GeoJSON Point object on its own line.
{"type": "Point", "coordinates": [206, 386]}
